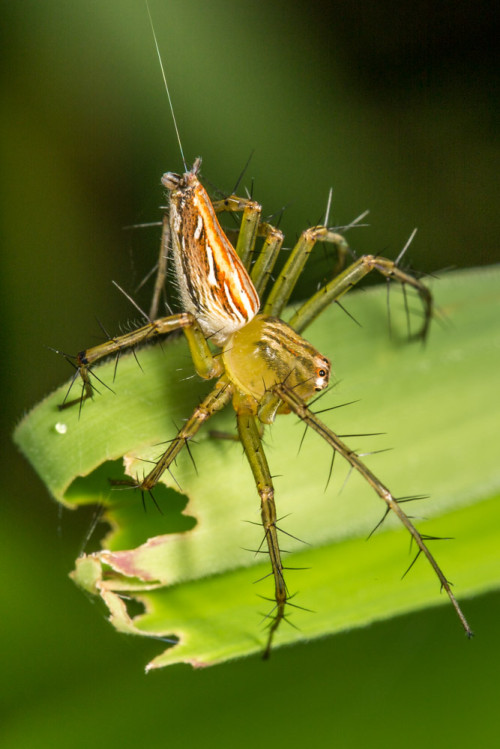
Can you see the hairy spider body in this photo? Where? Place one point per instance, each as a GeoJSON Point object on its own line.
{"type": "Point", "coordinates": [264, 366]}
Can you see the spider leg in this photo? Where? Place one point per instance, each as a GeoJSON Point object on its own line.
{"type": "Point", "coordinates": [206, 365]}
{"type": "Point", "coordinates": [263, 267]}
{"type": "Point", "coordinates": [280, 293]}
{"type": "Point", "coordinates": [252, 227]}
{"type": "Point", "coordinates": [218, 397]}
{"type": "Point", "coordinates": [250, 438]}
{"type": "Point", "coordinates": [249, 223]}
{"type": "Point", "coordinates": [338, 286]}
{"type": "Point", "coordinates": [161, 272]}
{"type": "Point", "coordinates": [308, 417]}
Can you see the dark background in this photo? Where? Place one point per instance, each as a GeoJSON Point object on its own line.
{"type": "Point", "coordinates": [390, 104]}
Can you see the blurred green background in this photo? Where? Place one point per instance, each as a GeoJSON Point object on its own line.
{"type": "Point", "coordinates": [392, 105]}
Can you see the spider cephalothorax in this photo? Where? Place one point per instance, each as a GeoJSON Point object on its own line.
{"type": "Point", "coordinates": [262, 364]}
{"type": "Point", "coordinates": [267, 352]}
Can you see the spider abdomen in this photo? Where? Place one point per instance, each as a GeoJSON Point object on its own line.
{"type": "Point", "coordinates": [267, 352]}
{"type": "Point", "coordinates": [213, 283]}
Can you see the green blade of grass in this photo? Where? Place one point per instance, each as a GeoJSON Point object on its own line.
{"type": "Point", "coordinates": [190, 568]}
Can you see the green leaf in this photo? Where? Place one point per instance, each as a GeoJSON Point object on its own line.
{"type": "Point", "coordinates": [189, 569]}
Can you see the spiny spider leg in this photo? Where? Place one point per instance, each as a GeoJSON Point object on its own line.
{"type": "Point", "coordinates": [206, 365]}
{"type": "Point", "coordinates": [263, 267]}
{"type": "Point", "coordinates": [298, 407]}
{"type": "Point", "coordinates": [338, 286]}
{"type": "Point", "coordinates": [248, 430]}
{"type": "Point", "coordinates": [217, 398]}
{"type": "Point", "coordinates": [285, 283]}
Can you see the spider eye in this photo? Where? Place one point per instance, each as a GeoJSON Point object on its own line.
{"type": "Point", "coordinates": [322, 373]}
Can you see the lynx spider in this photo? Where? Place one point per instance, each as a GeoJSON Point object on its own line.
{"type": "Point", "coordinates": [263, 365]}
